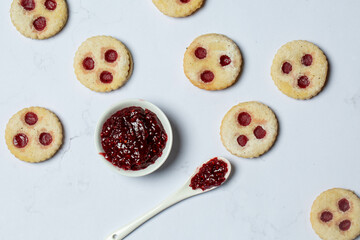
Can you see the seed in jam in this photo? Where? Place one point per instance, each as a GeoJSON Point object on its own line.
{"type": "Point", "coordinates": [88, 63]}
{"type": "Point", "coordinates": [20, 140]}
{"type": "Point", "coordinates": [31, 118]}
{"type": "Point", "coordinates": [28, 5]}
{"type": "Point", "coordinates": [200, 53]}
{"type": "Point", "coordinates": [50, 5]}
{"type": "Point", "coordinates": [344, 205]}
{"type": "Point", "coordinates": [307, 60]}
{"type": "Point", "coordinates": [345, 225]}
{"type": "Point", "coordinates": [244, 119]}
{"type": "Point", "coordinates": [326, 216]}
{"type": "Point", "coordinates": [259, 132]}
{"type": "Point", "coordinates": [242, 140]}
{"type": "Point", "coordinates": [207, 76]}
{"type": "Point", "coordinates": [111, 56]}
{"type": "Point", "coordinates": [39, 23]}
{"type": "Point", "coordinates": [225, 60]}
{"type": "Point", "coordinates": [45, 139]}
{"type": "Point", "coordinates": [211, 174]}
{"type": "Point", "coordinates": [133, 138]}
{"type": "Point", "coordinates": [303, 82]}
{"type": "Point", "coordinates": [286, 67]}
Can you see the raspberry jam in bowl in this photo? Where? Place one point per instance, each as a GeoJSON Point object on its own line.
{"type": "Point", "coordinates": [134, 137]}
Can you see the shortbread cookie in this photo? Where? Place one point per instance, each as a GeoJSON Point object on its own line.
{"type": "Point", "coordinates": [299, 69]}
{"type": "Point", "coordinates": [178, 8]}
{"type": "Point", "coordinates": [39, 19]}
{"type": "Point", "coordinates": [34, 134]}
{"type": "Point", "coordinates": [335, 215]}
{"type": "Point", "coordinates": [103, 64]}
{"type": "Point", "coordinates": [249, 129]}
{"type": "Point", "coordinates": [212, 62]}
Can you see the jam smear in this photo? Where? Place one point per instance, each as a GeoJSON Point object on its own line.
{"type": "Point", "coordinates": [31, 118]}
{"type": "Point", "coordinates": [242, 140]}
{"type": "Point", "coordinates": [50, 5]}
{"type": "Point", "coordinates": [259, 132]}
{"type": "Point", "coordinates": [207, 76]}
{"type": "Point", "coordinates": [307, 60]}
{"type": "Point", "coordinates": [303, 82]}
{"type": "Point", "coordinates": [45, 139]}
{"type": "Point", "coordinates": [88, 63]}
{"type": "Point", "coordinates": [111, 56]}
{"type": "Point", "coordinates": [225, 60]}
{"type": "Point", "coordinates": [345, 225]}
{"type": "Point", "coordinates": [344, 205]}
{"type": "Point", "coordinates": [106, 77]}
{"type": "Point", "coordinates": [244, 119]}
{"type": "Point", "coordinates": [185, 1]}
{"type": "Point", "coordinates": [28, 5]}
{"type": "Point", "coordinates": [286, 67]}
{"type": "Point", "coordinates": [211, 174]}
{"type": "Point", "coordinates": [326, 216]}
{"type": "Point", "coordinates": [20, 140]}
{"type": "Point", "coordinates": [200, 53]}
{"type": "Point", "coordinates": [39, 23]}
{"type": "Point", "coordinates": [133, 138]}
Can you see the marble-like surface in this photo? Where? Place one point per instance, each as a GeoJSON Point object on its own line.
{"type": "Point", "coordinates": [76, 196]}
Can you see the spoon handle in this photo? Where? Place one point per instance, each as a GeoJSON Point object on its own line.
{"type": "Point", "coordinates": [171, 200]}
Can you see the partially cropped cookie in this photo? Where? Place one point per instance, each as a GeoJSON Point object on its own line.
{"type": "Point", "coordinates": [212, 62]}
{"type": "Point", "coordinates": [249, 129]}
{"type": "Point", "coordinates": [299, 69]}
{"type": "Point", "coordinates": [39, 19]}
{"type": "Point", "coordinates": [178, 8]}
{"type": "Point", "coordinates": [335, 215]}
{"type": "Point", "coordinates": [103, 63]}
{"type": "Point", "coordinates": [34, 134]}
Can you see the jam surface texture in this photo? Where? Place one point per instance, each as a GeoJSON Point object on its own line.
{"type": "Point", "coordinates": [133, 138]}
{"type": "Point", "coordinates": [210, 174]}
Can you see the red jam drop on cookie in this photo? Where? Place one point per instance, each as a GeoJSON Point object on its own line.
{"type": "Point", "coordinates": [28, 5]}
{"type": "Point", "coordinates": [326, 216]}
{"type": "Point", "coordinates": [31, 118]}
{"type": "Point", "coordinates": [286, 67]}
{"type": "Point", "coordinates": [200, 53]}
{"type": "Point", "coordinates": [259, 132]}
{"type": "Point", "coordinates": [303, 82]}
{"type": "Point", "coordinates": [211, 174]}
{"type": "Point", "coordinates": [50, 5]}
{"type": "Point", "coordinates": [307, 60]}
{"type": "Point", "coordinates": [39, 23]}
{"type": "Point", "coordinates": [45, 139]}
{"type": "Point", "coordinates": [88, 63]}
{"type": "Point", "coordinates": [242, 140]}
{"type": "Point", "coordinates": [207, 76]}
{"type": "Point", "coordinates": [133, 138]}
{"type": "Point", "coordinates": [20, 140]}
{"type": "Point", "coordinates": [106, 77]}
{"type": "Point", "coordinates": [225, 60]}
{"type": "Point", "coordinates": [185, 1]}
{"type": "Point", "coordinates": [244, 119]}
{"type": "Point", "coordinates": [344, 205]}
{"type": "Point", "coordinates": [345, 225]}
{"type": "Point", "coordinates": [111, 56]}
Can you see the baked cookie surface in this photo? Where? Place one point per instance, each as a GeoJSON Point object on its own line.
{"type": "Point", "coordinates": [299, 69]}
{"type": "Point", "coordinates": [249, 129]}
{"type": "Point", "coordinates": [178, 8]}
{"type": "Point", "coordinates": [335, 215]}
{"type": "Point", "coordinates": [212, 62]}
{"type": "Point", "coordinates": [34, 134]}
{"type": "Point", "coordinates": [39, 19]}
{"type": "Point", "coordinates": [103, 63]}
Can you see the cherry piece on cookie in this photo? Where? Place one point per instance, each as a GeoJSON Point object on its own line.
{"type": "Point", "coordinates": [28, 5]}
{"type": "Point", "coordinates": [45, 139]}
{"type": "Point", "coordinates": [307, 60]}
{"type": "Point", "coordinates": [207, 76]}
{"type": "Point", "coordinates": [259, 132]}
{"type": "Point", "coordinates": [184, 1]}
{"type": "Point", "coordinates": [326, 216]}
{"type": "Point", "coordinates": [31, 118]}
{"type": "Point", "coordinates": [344, 205]}
{"type": "Point", "coordinates": [225, 60]}
{"type": "Point", "coordinates": [106, 77]}
{"type": "Point", "coordinates": [286, 68]}
{"type": "Point", "coordinates": [242, 140]}
{"type": "Point", "coordinates": [200, 53]}
{"type": "Point", "coordinates": [88, 63]}
{"type": "Point", "coordinates": [50, 5]}
{"type": "Point", "coordinates": [40, 23]}
{"type": "Point", "coordinates": [345, 225]}
{"type": "Point", "coordinates": [20, 140]}
{"type": "Point", "coordinates": [111, 56]}
{"type": "Point", "coordinates": [244, 119]}
{"type": "Point", "coordinates": [303, 82]}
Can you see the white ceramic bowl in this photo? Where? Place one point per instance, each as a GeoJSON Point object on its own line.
{"type": "Point", "coordinates": [145, 105]}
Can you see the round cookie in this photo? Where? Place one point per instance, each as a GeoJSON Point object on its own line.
{"type": "Point", "coordinates": [34, 134]}
{"type": "Point", "coordinates": [103, 64]}
{"type": "Point", "coordinates": [39, 19]}
{"type": "Point", "coordinates": [299, 69]}
{"type": "Point", "coordinates": [335, 215]}
{"type": "Point", "coordinates": [178, 8]}
{"type": "Point", "coordinates": [212, 62]}
{"type": "Point", "coordinates": [249, 129]}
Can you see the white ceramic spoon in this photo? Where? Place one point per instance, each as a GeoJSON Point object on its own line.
{"type": "Point", "coordinates": [183, 193]}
